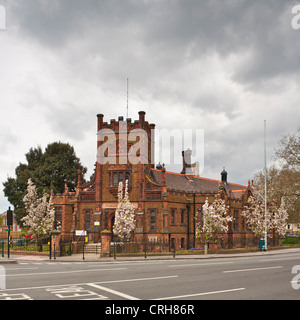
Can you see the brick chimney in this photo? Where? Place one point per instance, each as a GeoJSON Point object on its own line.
{"type": "Point", "coordinates": [163, 175]}
{"type": "Point", "coordinates": [186, 162]}
{"type": "Point", "coordinates": [142, 117]}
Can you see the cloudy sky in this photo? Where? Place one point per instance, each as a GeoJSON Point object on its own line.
{"type": "Point", "coordinates": [221, 66]}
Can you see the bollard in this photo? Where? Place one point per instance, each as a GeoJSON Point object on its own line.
{"type": "Point", "coordinates": [115, 250]}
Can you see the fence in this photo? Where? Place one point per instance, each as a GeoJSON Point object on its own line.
{"type": "Point", "coordinates": [141, 248]}
{"type": "Point", "coordinates": [25, 246]}
{"type": "Point", "coordinates": [81, 248]}
{"type": "Point", "coordinates": [84, 246]}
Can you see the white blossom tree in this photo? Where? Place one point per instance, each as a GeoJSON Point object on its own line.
{"type": "Point", "coordinates": [40, 215]}
{"type": "Point", "coordinates": [124, 215]}
{"type": "Point", "coordinates": [215, 220]}
{"type": "Point", "coordinates": [280, 217]}
{"type": "Point", "coordinates": [254, 213]}
{"type": "Point", "coordinates": [256, 218]}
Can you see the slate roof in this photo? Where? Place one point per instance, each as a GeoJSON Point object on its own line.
{"type": "Point", "coordinates": [181, 182]}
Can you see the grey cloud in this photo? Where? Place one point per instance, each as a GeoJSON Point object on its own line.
{"type": "Point", "coordinates": [98, 44]}
{"type": "Point", "coordinates": [151, 39]}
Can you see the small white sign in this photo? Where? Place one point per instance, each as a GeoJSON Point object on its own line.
{"type": "Point", "coordinates": [80, 233]}
{"type": "Point", "coordinates": [152, 238]}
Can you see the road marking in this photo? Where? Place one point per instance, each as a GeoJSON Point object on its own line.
{"type": "Point", "coordinates": [199, 264]}
{"type": "Point", "coordinates": [280, 259]}
{"type": "Point", "coordinates": [60, 272]}
{"type": "Point", "coordinates": [29, 268]}
{"type": "Point", "coordinates": [75, 292]}
{"type": "Point", "coordinates": [118, 293]}
{"type": "Point", "coordinates": [200, 294]}
{"type": "Point", "coordinates": [253, 269]}
{"type": "Point", "coordinates": [16, 296]}
{"type": "Point", "coordinates": [124, 263]}
{"type": "Point", "coordinates": [84, 283]}
{"type": "Point", "coordinates": [140, 279]}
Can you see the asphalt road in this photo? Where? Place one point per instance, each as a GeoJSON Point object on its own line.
{"type": "Point", "coordinates": [257, 277]}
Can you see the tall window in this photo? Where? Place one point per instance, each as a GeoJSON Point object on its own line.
{"type": "Point", "coordinates": [182, 216]}
{"type": "Point", "coordinates": [182, 243]}
{"type": "Point", "coordinates": [172, 216]}
{"type": "Point", "coordinates": [58, 218]}
{"type": "Point", "coordinates": [235, 220]}
{"type": "Point", "coordinates": [116, 180]}
{"type": "Point", "coordinates": [118, 177]}
{"type": "Point", "coordinates": [87, 221]}
{"type": "Point", "coordinates": [153, 221]}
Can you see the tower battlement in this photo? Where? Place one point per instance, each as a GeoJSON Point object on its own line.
{"type": "Point", "coordinates": [123, 142]}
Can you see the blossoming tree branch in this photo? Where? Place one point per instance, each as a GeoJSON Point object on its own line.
{"type": "Point", "coordinates": [40, 215]}
{"type": "Point", "coordinates": [124, 216]}
{"type": "Point", "coordinates": [256, 219]}
{"type": "Point", "coordinates": [215, 221]}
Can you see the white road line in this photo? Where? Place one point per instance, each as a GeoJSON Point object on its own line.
{"type": "Point", "coordinates": [141, 279]}
{"type": "Point", "coordinates": [280, 259]}
{"type": "Point", "coordinates": [199, 264]}
{"type": "Point", "coordinates": [16, 296]}
{"type": "Point", "coordinates": [200, 294]}
{"type": "Point", "coordinates": [253, 269]}
{"type": "Point", "coordinates": [58, 272]}
{"type": "Point", "coordinates": [118, 293]}
{"type": "Point", "coordinates": [124, 263]}
{"type": "Point", "coordinates": [84, 283]}
{"type": "Point", "coordinates": [32, 268]}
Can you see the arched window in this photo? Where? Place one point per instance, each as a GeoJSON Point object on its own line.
{"type": "Point", "coordinates": [116, 180]}
{"type": "Point", "coordinates": [119, 176]}
{"type": "Point", "coordinates": [153, 221]}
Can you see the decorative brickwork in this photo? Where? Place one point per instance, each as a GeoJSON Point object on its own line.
{"type": "Point", "coordinates": [167, 203]}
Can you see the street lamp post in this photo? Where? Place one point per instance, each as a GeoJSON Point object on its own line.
{"type": "Point", "coordinates": [266, 231]}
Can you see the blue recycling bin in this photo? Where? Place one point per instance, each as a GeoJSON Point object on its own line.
{"type": "Point", "coordinates": [261, 244]}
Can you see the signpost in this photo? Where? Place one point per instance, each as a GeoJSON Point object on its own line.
{"type": "Point", "coordinates": [9, 222]}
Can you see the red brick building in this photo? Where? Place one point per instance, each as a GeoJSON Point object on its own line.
{"type": "Point", "coordinates": [167, 203]}
{"type": "Point", "coordinates": [15, 229]}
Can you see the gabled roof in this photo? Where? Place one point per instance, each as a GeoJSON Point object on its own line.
{"type": "Point", "coordinates": [181, 182]}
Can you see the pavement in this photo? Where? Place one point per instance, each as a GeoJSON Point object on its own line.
{"type": "Point", "coordinates": [91, 258]}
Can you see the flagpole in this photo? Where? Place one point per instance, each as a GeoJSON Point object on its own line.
{"type": "Point", "coordinates": [127, 98]}
{"type": "Point", "coordinates": [266, 232]}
